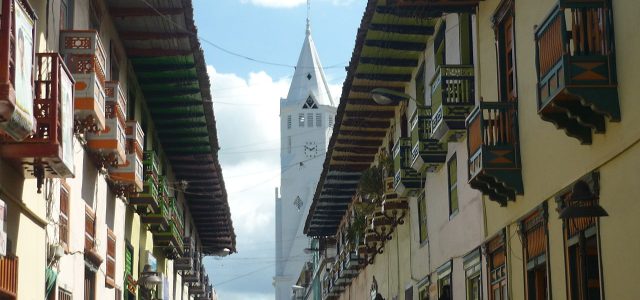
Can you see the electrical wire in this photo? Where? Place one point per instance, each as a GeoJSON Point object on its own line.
{"type": "Point", "coordinates": [223, 49]}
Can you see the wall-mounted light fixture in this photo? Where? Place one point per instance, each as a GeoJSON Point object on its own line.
{"type": "Point", "coordinates": [582, 203]}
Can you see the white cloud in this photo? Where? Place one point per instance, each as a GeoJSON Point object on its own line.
{"type": "Point", "coordinates": [248, 124]}
{"type": "Point", "coordinates": [275, 3]}
{"type": "Point", "coordinates": [291, 3]}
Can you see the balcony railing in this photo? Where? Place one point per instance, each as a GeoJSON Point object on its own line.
{"type": "Point", "coordinates": [135, 138]}
{"type": "Point", "coordinates": [8, 277]}
{"type": "Point", "coordinates": [193, 275]}
{"type": "Point", "coordinates": [406, 181]}
{"type": "Point", "coordinates": [85, 56]}
{"type": "Point", "coordinates": [427, 154]}
{"type": "Point", "coordinates": [16, 83]}
{"type": "Point", "coordinates": [452, 98]}
{"type": "Point", "coordinates": [494, 151]}
{"type": "Point", "coordinates": [176, 216]}
{"type": "Point", "coordinates": [170, 239]}
{"type": "Point", "coordinates": [577, 85]}
{"type": "Point", "coordinates": [157, 219]}
{"type": "Point", "coordinates": [149, 197]}
{"type": "Point", "coordinates": [48, 152]}
{"type": "Point", "coordinates": [186, 262]}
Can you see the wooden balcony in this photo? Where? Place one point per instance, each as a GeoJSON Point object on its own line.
{"type": "Point", "coordinates": [157, 219]}
{"type": "Point", "coordinates": [114, 94]}
{"type": "Point", "coordinates": [175, 215]}
{"type": "Point", "coordinates": [16, 80]}
{"type": "Point", "coordinates": [452, 99]}
{"type": "Point", "coordinates": [186, 262]}
{"type": "Point", "coordinates": [395, 208]}
{"type": "Point", "coordinates": [135, 138]}
{"type": "Point", "coordinates": [85, 56]}
{"type": "Point", "coordinates": [406, 181]}
{"type": "Point", "coordinates": [107, 147]}
{"type": "Point", "coordinates": [170, 239]}
{"type": "Point", "coordinates": [151, 165]}
{"type": "Point", "coordinates": [128, 176]}
{"type": "Point", "coordinates": [575, 62]}
{"type": "Point", "coordinates": [8, 277]}
{"type": "Point", "coordinates": [351, 263]}
{"type": "Point", "coordinates": [494, 151]}
{"type": "Point", "coordinates": [49, 152]}
{"type": "Point", "coordinates": [427, 154]}
{"type": "Point", "coordinates": [193, 275]}
{"type": "Point", "coordinates": [148, 199]}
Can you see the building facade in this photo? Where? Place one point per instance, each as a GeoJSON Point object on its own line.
{"type": "Point", "coordinates": [483, 150]}
{"type": "Point", "coordinates": [306, 122]}
{"type": "Point", "coordinates": [106, 115]}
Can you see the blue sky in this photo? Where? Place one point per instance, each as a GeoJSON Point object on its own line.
{"type": "Point", "coordinates": [246, 98]}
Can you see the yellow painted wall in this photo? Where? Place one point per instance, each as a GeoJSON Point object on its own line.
{"type": "Point", "coordinates": [551, 160]}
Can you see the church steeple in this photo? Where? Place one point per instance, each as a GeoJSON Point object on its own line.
{"type": "Point", "coordinates": [308, 78]}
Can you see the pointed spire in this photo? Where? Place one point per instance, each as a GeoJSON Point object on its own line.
{"type": "Point", "coordinates": [308, 18]}
{"type": "Point", "coordinates": [308, 78]}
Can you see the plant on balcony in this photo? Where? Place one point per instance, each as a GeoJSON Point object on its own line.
{"type": "Point", "coordinates": [355, 232]}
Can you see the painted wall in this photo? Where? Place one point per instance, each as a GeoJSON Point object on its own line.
{"type": "Point", "coordinates": [552, 161]}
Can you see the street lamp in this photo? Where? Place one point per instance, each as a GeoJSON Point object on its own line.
{"type": "Point", "coordinates": [583, 203]}
{"type": "Point", "coordinates": [148, 280]}
{"type": "Point", "coordinates": [384, 96]}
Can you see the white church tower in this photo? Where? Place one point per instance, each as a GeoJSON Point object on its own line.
{"type": "Point", "coordinates": [306, 122]}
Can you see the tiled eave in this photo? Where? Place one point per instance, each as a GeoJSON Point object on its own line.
{"type": "Point", "coordinates": [162, 44]}
{"type": "Point", "coordinates": [388, 46]}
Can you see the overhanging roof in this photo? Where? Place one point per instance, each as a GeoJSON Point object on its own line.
{"type": "Point", "coordinates": [388, 46]}
{"type": "Point", "coordinates": [162, 44]}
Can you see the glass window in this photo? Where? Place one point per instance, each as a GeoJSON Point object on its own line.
{"type": "Point", "coordinates": [318, 120]}
{"type": "Point", "coordinates": [445, 291]}
{"type": "Point", "coordinates": [289, 122]}
{"type": "Point", "coordinates": [300, 120]}
{"type": "Point", "coordinates": [533, 229]}
{"type": "Point", "coordinates": [66, 14]}
{"type": "Point", "coordinates": [64, 215]}
{"type": "Point", "coordinates": [582, 256]}
{"type": "Point", "coordinates": [452, 167]}
{"type": "Point", "coordinates": [506, 52]}
{"type": "Point", "coordinates": [309, 120]}
{"type": "Point", "coordinates": [473, 275]}
{"type": "Point", "coordinates": [497, 268]}
{"type": "Point", "coordinates": [423, 291]}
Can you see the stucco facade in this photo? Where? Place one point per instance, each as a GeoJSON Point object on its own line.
{"type": "Point", "coordinates": [83, 236]}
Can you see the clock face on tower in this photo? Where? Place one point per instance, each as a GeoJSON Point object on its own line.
{"type": "Point", "coordinates": [311, 149]}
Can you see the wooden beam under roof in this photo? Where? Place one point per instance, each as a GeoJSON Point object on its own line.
{"type": "Point", "coordinates": [150, 52]}
{"type": "Point", "coordinates": [389, 62]}
{"type": "Point", "coordinates": [350, 167]}
{"type": "Point", "coordinates": [385, 77]}
{"type": "Point", "coordinates": [363, 133]}
{"type": "Point", "coordinates": [124, 12]}
{"type": "Point", "coordinates": [352, 158]}
{"type": "Point", "coordinates": [152, 68]}
{"type": "Point", "coordinates": [374, 114]}
{"type": "Point", "coordinates": [358, 142]}
{"type": "Point", "coordinates": [403, 29]}
{"type": "Point", "coordinates": [397, 45]}
{"type": "Point", "coordinates": [367, 88]}
{"type": "Point", "coordinates": [150, 35]}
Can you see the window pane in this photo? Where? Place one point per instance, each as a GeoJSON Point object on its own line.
{"type": "Point", "coordinates": [289, 122]}
{"type": "Point", "coordinates": [300, 120]}
{"type": "Point", "coordinates": [310, 120]}
{"type": "Point", "coordinates": [318, 120]}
